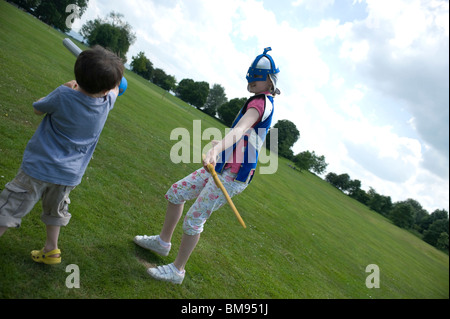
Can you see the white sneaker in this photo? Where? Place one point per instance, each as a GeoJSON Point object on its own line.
{"type": "Point", "coordinates": [152, 243]}
{"type": "Point", "coordinates": [167, 273]}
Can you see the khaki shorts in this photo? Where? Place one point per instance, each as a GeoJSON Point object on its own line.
{"type": "Point", "coordinates": [23, 192]}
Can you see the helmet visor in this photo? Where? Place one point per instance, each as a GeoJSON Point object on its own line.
{"type": "Point", "coordinates": [254, 74]}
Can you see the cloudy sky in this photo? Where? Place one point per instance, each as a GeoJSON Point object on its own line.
{"type": "Point", "coordinates": [366, 82]}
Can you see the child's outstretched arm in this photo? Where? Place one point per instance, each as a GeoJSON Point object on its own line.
{"type": "Point", "coordinates": [245, 123]}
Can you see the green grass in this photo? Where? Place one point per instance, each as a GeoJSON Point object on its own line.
{"type": "Point", "coordinates": [304, 239]}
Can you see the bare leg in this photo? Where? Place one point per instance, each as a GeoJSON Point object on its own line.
{"type": "Point", "coordinates": [188, 243]}
{"type": "Point", "coordinates": [173, 215]}
{"type": "Point", "coordinates": [52, 239]}
{"type": "Point", "coordinates": [2, 230]}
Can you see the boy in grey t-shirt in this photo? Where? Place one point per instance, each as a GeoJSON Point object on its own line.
{"type": "Point", "coordinates": [57, 155]}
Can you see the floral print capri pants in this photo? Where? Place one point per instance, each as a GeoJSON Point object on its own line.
{"type": "Point", "coordinates": [200, 185]}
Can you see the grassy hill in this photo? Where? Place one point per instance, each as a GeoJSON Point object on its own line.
{"type": "Point", "coordinates": [304, 239]}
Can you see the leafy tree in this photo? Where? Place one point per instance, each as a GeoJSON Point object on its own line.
{"type": "Point", "coordinates": [439, 214]}
{"type": "Point", "coordinates": [419, 214]}
{"type": "Point", "coordinates": [433, 234]}
{"type": "Point", "coordinates": [142, 66]}
{"type": "Point", "coordinates": [228, 111]}
{"type": "Point", "coordinates": [375, 200]}
{"type": "Point", "coordinates": [360, 195]}
{"type": "Point", "coordinates": [310, 161]}
{"type": "Point", "coordinates": [216, 98]}
{"type": "Point", "coordinates": [112, 33]}
{"type": "Point", "coordinates": [184, 89]}
{"type": "Point", "coordinates": [331, 177]}
{"type": "Point", "coordinates": [194, 93]}
{"type": "Point", "coordinates": [319, 165]}
{"type": "Point", "coordinates": [342, 181]}
{"type": "Point", "coordinates": [385, 205]}
{"type": "Point", "coordinates": [379, 203]}
{"type": "Point", "coordinates": [303, 160]}
{"type": "Point", "coordinates": [288, 134]}
{"type": "Point", "coordinates": [436, 229]}
{"type": "Point", "coordinates": [442, 242]}
{"type": "Point", "coordinates": [425, 222]}
{"type": "Point", "coordinates": [163, 80]}
{"type": "Point", "coordinates": [355, 191]}
{"type": "Point", "coordinates": [353, 187]}
{"type": "Point", "coordinates": [200, 93]}
{"type": "Point", "coordinates": [402, 215]}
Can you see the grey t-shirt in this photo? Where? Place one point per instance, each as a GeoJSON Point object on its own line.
{"type": "Point", "coordinates": [64, 142]}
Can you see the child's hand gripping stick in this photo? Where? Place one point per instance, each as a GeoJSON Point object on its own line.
{"type": "Point", "coordinates": [224, 191]}
{"type": "Point", "coordinates": [72, 47]}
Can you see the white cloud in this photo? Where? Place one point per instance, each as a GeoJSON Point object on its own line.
{"type": "Point", "coordinates": [356, 51]}
{"type": "Point", "coordinates": [410, 62]}
{"type": "Point", "coordinates": [317, 5]}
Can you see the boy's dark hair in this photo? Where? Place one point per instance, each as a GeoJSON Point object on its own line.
{"type": "Point", "coordinates": [98, 69]}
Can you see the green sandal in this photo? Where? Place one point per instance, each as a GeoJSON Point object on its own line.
{"type": "Point", "coordinates": [40, 257]}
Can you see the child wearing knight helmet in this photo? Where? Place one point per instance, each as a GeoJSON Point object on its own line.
{"type": "Point", "coordinates": [235, 160]}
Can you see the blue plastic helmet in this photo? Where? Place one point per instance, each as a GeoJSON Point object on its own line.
{"type": "Point", "coordinates": [262, 66]}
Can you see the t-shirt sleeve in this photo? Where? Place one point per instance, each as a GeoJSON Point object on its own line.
{"type": "Point", "coordinates": [257, 104]}
{"type": "Point", "coordinates": [111, 99]}
{"type": "Point", "coordinates": [49, 103]}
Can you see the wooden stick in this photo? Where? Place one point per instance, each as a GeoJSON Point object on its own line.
{"type": "Point", "coordinates": [224, 191]}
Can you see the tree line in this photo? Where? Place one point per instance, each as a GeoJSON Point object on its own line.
{"type": "Point", "coordinates": [409, 214]}
{"type": "Point", "coordinates": [117, 35]}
